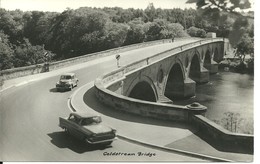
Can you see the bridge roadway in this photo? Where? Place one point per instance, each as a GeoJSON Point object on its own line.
{"type": "Point", "coordinates": [30, 107]}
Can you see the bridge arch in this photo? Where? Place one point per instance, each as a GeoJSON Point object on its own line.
{"type": "Point", "coordinates": [142, 89]}
{"type": "Point", "coordinates": [174, 87]}
{"type": "Point", "coordinates": [194, 72]}
{"type": "Point", "coordinates": [216, 55]}
{"type": "Point", "coordinates": [207, 60]}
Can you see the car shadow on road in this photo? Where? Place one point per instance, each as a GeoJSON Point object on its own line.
{"type": "Point", "coordinates": [63, 140]}
{"type": "Point", "coordinates": [91, 101]}
{"type": "Point", "coordinates": [54, 90]}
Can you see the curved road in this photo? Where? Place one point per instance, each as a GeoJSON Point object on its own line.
{"type": "Point", "coordinates": [29, 115]}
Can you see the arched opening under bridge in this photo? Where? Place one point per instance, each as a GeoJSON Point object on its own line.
{"type": "Point", "coordinates": [195, 68]}
{"type": "Point", "coordinates": [143, 91]}
{"type": "Point", "coordinates": [207, 60]}
{"type": "Point", "coordinates": [175, 83]}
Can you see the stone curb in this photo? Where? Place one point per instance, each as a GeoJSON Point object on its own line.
{"type": "Point", "coordinates": [73, 108]}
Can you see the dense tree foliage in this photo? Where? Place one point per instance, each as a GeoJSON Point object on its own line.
{"type": "Point", "coordinates": [27, 36]}
{"type": "Point", "coordinates": [225, 16]}
{"type": "Point", "coordinates": [6, 52]}
{"type": "Point", "coordinates": [196, 32]}
{"type": "Point", "coordinates": [229, 20]}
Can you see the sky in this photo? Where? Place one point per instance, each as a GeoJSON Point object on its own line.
{"type": "Point", "coordinates": [61, 5]}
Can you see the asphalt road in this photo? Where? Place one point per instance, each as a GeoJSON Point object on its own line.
{"type": "Point", "coordinates": [29, 118]}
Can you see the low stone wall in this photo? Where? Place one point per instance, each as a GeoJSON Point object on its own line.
{"type": "Point", "coordinates": [144, 108]}
{"type": "Point", "coordinates": [214, 133]}
{"type": "Point", "coordinates": [22, 71]}
{"type": "Point", "coordinates": [35, 69]}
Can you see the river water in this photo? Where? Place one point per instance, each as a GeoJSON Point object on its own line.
{"type": "Point", "coordinates": [227, 92]}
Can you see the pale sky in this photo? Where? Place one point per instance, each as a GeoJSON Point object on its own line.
{"type": "Point", "coordinates": [61, 5]}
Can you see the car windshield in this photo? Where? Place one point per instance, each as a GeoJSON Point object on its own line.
{"type": "Point", "coordinates": [92, 120]}
{"type": "Point", "coordinates": [64, 77]}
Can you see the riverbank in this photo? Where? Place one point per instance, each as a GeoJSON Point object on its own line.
{"type": "Point", "coordinates": [237, 65]}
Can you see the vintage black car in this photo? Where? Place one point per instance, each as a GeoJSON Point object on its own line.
{"type": "Point", "coordinates": [88, 127]}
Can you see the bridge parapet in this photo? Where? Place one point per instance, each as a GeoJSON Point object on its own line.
{"type": "Point", "coordinates": [161, 56]}
{"type": "Point", "coordinates": [167, 53]}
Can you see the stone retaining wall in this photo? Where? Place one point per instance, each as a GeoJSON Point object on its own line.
{"type": "Point", "coordinates": [214, 133]}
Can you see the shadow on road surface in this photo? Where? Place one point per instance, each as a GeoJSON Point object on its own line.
{"type": "Point", "coordinates": [54, 90]}
{"type": "Point", "coordinates": [199, 143]}
{"type": "Point", "coordinates": [91, 101]}
{"type": "Point", "coordinates": [63, 140]}
{"type": "Point", "coordinates": [241, 148]}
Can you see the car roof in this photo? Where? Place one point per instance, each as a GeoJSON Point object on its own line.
{"type": "Point", "coordinates": [68, 74]}
{"type": "Point", "coordinates": [84, 114]}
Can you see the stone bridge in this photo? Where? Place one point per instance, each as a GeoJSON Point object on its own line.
{"type": "Point", "coordinates": [145, 87]}
{"type": "Point", "coordinates": [171, 74]}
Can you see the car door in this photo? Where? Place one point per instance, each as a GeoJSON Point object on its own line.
{"type": "Point", "coordinates": [73, 80]}
{"type": "Point", "coordinates": [74, 128]}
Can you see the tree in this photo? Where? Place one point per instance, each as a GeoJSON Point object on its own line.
{"type": "Point", "coordinates": [136, 32]}
{"type": "Point", "coordinates": [196, 32]}
{"type": "Point", "coordinates": [115, 34]}
{"type": "Point", "coordinates": [150, 11]}
{"type": "Point", "coordinates": [241, 34]}
{"type": "Point", "coordinates": [229, 6]}
{"type": "Point", "coordinates": [78, 32]}
{"type": "Point", "coordinates": [37, 27]}
{"type": "Point", "coordinates": [234, 123]}
{"type": "Point", "coordinates": [154, 32]}
{"type": "Point", "coordinates": [231, 121]}
{"type": "Point", "coordinates": [245, 46]}
{"type": "Point", "coordinates": [240, 27]}
{"type": "Point", "coordinates": [220, 12]}
{"type": "Point", "coordinates": [6, 52]}
{"type": "Point", "coordinates": [26, 54]}
{"type": "Point", "coordinates": [9, 26]}
{"type": "Point", "coordinates": [173, 30]}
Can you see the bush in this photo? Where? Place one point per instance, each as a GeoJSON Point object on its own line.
{"type": "Point", "coordinates": [201, 33]}
{"type": "Point", "coordinates": [196, 32]}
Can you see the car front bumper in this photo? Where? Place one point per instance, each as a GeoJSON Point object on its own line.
{"type": "Point", "coordinates": [62, 86]}
{"type": "Point", "coordinates": [102, 141]}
